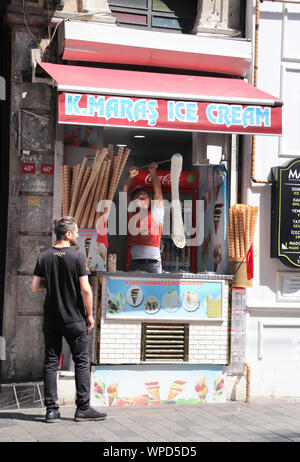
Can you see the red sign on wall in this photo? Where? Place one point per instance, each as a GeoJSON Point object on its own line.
{"type": "Point", "coordinates": [28, 167]}
{"type": "Point", "coordinates": [47, 169]}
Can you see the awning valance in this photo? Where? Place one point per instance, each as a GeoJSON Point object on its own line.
{"type": "Point", "coordinates": [97, 96]}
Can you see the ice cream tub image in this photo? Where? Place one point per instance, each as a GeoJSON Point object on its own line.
{"type": "Point", "coordinates": [171, 301]}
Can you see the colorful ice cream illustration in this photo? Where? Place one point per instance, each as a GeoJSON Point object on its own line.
{"type": "Point", "coordinates": [218, 210]}
{"type": "Point", "coordinates": [191, 301]}
{"type": "Point", "coordinates": [218, 388]}
{"type": "Point", "coordinates": [219, 178]}
{"type": "Point", "coordinates": [177, 387]}
{"type": "Point", "coordinates": [99, 388]}
{"type": "Point", "coordinates": [201, 389]}
{"type": "Point", "coordinates": [153, 389]}
{"type": "Point", "coordinates": [112, 391]}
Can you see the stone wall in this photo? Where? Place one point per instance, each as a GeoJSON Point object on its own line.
{"type": "Point", "coordinates": [29, 210]}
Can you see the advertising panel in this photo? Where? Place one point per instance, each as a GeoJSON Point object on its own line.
{"type": "Point", "coordinates": [152, 385]}
{"type": "Point", "coordinates": [163, 299]}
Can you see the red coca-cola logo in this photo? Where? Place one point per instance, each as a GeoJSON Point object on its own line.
{"type": "Point", "coordinates": [186, 179]}
{"type": "Point", "coordinates": [165, 179]}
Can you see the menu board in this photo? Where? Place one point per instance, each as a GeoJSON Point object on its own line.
{"type": "Point", "coordinates": [285, 228]}
{"type": "Point", "coordinates": [163, 299]}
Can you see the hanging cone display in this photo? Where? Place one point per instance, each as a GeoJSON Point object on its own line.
{"type": "Point", "coordinates": [242, 221]}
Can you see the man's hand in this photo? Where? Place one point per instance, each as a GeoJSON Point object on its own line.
{"type": "Point", "coordinates": [132, 172]}
{"type": "Point", "coordinates": [90, 322]}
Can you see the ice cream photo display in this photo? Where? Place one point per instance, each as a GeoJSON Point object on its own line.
{"type": "Point", "coordinates": [141, 300]}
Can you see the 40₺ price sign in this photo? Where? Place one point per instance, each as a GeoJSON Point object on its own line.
{"type": "Point", "coordinates": [28, 167]}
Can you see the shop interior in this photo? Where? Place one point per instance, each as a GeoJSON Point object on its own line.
{"type": "Point", "coordinates": [199, 151]}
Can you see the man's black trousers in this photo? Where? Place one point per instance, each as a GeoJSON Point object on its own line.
{"type": "Point", "coordinates": [76, 337]}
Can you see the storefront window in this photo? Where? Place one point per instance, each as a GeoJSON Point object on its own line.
{"type": "Point", "coordinates": [172, 15]}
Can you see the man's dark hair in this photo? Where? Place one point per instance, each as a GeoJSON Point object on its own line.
{"type": "Point", "coordinates": [136, 192]}
{"type": "Point", "coordinates": [63, 225]}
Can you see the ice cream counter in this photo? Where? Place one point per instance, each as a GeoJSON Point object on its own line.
{"type": "Point", "coordinates": [161, 338]}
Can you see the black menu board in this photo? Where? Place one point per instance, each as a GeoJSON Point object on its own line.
{"type": "Point", "coordinates": [285, 209]}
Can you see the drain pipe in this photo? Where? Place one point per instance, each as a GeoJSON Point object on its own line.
{"type": "Point", "coordinates": [253, 151]}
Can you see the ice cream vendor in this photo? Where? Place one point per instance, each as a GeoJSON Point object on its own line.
{"type": "Point", "coordinates": [145, 222]}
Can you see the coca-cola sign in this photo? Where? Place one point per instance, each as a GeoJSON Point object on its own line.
{"type": "Point", "coordinates": [187, 180]}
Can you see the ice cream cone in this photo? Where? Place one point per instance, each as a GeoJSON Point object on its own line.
{"type": "Point", "coordinates": [94, 173]}
{"type": "Point", "coordinates": [176, 388]}
{"type": "Point", "coordinates": [111, 398]}
{"type": "Point", "coordinates": [112, 391]}
{"type": "Point", "coordinates": [77, 186]}
{"type": "Point", "coordinates": [153, 389]}
{"type": "Point", "coordinates": [134, 295]}
{"type": "Point", "coordinates": [96, 194]}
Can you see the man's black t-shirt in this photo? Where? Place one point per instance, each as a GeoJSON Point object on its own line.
{"type": "Point", "coordinates": [61, 268]}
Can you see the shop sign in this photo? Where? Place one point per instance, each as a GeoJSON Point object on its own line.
{"type": "Point", "coordinates": [47, 169]}
{"type": "Point", "coordinates": [28, 167]}
{"type": "Point", "coordinates": [88, 109]}
{"type": "Point", "coordinates": [285, 227]}
{"type": "Point", "coordinates": [174, 299]}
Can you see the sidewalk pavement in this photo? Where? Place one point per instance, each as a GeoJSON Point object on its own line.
{"type": "Point", "coordinates": [268, 420]}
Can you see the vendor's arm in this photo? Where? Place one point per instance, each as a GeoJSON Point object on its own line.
{"type": "Point", "coordinates": [158, 196]}
{"type": "Point", "coordinates": [132, 172]}
{"type": "Point", "coordinates": [37, 283]}
{"type": "Point", "coordinates": [87, 297]}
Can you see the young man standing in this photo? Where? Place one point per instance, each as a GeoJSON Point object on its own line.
{"type": "Point", "coordinates": [68, 313]}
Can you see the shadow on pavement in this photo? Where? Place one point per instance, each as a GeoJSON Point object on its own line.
{"type": "Point", "coordinates": [28, 417]}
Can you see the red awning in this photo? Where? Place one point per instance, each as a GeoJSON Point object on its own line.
{"type": "Point", "coordinates": [96, 96]}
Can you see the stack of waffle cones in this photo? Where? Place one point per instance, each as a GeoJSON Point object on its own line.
{"type": "Point", "coordinates": [241, 230]}
{"type": "Point", "coordinates": [84, 186]}
{"type": "Point", "coordinates": [240, 236]}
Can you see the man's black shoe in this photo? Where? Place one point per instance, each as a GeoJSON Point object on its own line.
{"type": "Point", "coordinates": [52, 415]}
{"type": "Point", "coordinates": [88, 414]}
